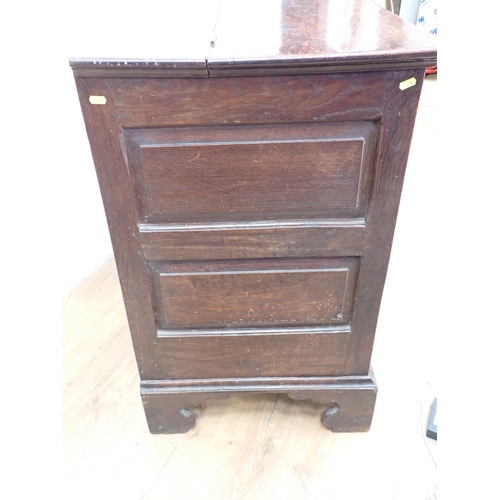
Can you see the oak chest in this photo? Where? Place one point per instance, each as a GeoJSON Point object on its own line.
{"type": "Point", "coordinates": [251, 188]}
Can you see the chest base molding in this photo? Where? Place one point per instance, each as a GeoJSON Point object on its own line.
{"type": "Point", "coordinates": [170, 406]}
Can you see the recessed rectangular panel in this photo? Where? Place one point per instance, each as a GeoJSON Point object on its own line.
{"type": "Point", "coordinates": [245, 178]}
{"type": "Point", "coordinates": [254, 293]}
{"type": "Point", "coordinates": [252, 173]}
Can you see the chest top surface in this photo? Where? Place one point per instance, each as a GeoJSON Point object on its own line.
{"type": "Point", "coordinates": [230, 37]}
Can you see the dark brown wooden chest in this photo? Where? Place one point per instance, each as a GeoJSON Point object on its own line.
{"type": "Point", "coordinates": [251, 201]}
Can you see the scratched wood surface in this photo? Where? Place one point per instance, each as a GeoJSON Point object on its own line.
{"type": "Point", "coordinates": [224, 37]}
{"type": "Point", "coordinates": [260, 446]}
{"type": "Point", "coordinates": [282, 34]}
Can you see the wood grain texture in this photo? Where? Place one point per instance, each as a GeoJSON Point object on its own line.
{"type": "Point", "coordinates": [169, 413]}
{"type": "Point", "coordinates": [390, 167]}
{"type": "Point", "coordinates": [103, 124]}
{"type": "Point", "coordinates": [257, 172]}
{"type": "Point", "coordinates": [258, 445]}
{"type": "Point", "coordinates": [301, 353]}
{"type": "Point", "coordinates": [247, 241]}
{"type": "Point", "coordinates": [175, 102]}
{"type": "Point", "coordinates": [298, 36]}
{"type": "Point", "coordinates": [251, 445]}
{"type": "Point", "coordinates": [104, 134]}
{"type": "Point", "coordinates": [171, 407]}
{"type": "Point", "coordinates": [265, 354]}
{"type": "Point", "coordinates": [193, 161]}
{"type": "Point", "coordinates": [208, 38]}
{"type": "Point", "coordinates": [304, 354]}
{"type": "Point", "coordinates": [261, 293]}
{"type": "Point", "coordinates": [252, 180]}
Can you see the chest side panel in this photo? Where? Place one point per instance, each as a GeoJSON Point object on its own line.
{"type": "Point", "coordinates": [251, 217]}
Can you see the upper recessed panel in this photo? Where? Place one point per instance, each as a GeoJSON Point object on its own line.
{"type": "Point", "coordinates": [257, 173]}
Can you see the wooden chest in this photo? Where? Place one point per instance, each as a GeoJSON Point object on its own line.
{"type": "Point", "coordinates": [251, 190]}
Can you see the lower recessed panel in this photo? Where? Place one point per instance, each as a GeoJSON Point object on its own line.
{"type": "Point", "coordinates": [263, 293]}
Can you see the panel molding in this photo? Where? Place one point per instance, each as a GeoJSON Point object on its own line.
{"type": "Point", "coordinates": [246, 225]}
{"type": "Point", "coordinates": [257, 384]}
{"type": "Point", "coordinates": [236, 332]}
